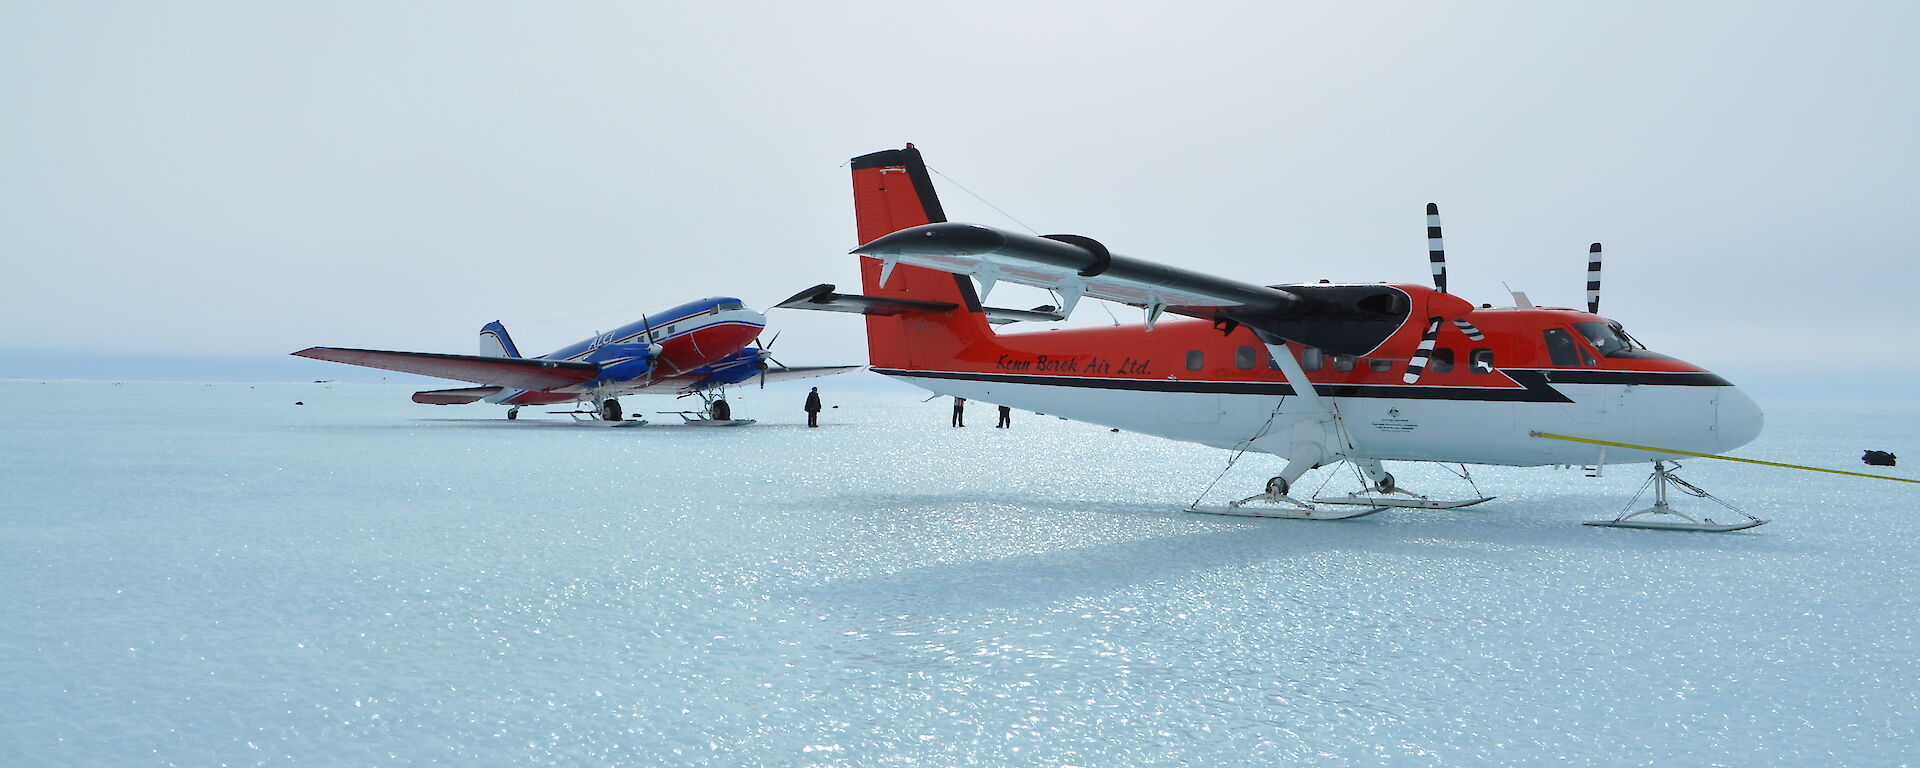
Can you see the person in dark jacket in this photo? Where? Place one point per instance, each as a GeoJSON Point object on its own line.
{"type": "Point", "coordinates": [813, 407]}
{"type": "Point", "coordinates": [959, 411]}
{"type": "Point", "coordinates": [1006, 418]}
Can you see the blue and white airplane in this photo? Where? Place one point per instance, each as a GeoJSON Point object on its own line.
{"type": "Point", "coordinates": [696, 348]}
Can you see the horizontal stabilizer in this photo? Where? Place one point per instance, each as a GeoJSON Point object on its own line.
{"type": "Point", "coordinates": [455, 396]}
{"type": "Point", "coordinates": [517, 372]}
{"type": "Point", "coordinates": [821, 297]}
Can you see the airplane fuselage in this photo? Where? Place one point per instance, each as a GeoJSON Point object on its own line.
{"type": "Point", "coordinates": [696, 340]}
{"type": "Point", "coordinates": [1186, 380]}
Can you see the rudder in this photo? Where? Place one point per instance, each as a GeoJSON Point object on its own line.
{"type": "Point", "coordinates": [494, 341]}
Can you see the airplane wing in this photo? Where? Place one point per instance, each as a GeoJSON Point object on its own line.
{"type": "Point", "coordinates": [746, 372]}
{"type": "Point", "coordinates": [516, 372]}
{"type": "Point", "coordinates": [1344, 319]}
{"type": "Point", "coordinates": [788, 373]}
{"type": "Point", "coordinates": [1070, 261]}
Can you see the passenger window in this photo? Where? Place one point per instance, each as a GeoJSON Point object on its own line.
{"type": "Point", "coordinates": [1312, 359]}
{"type": "Point", "coordinates": [1196, 359]}
{"type": "Point", "coordinates": [1343, 362]}
{"type": "Point", "coordinates": [1560, 348]}
{"type": "Point", "coordinates": [1480, 360]}
{"type": "Point", "coordinates": [1380, 366]}
{"type": "Point", "coordinates": [1244, 358]}
{"type": "Point", "coordinates": [1441, 361]}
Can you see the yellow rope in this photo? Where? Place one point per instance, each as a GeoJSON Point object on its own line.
{"type": "Point", "coordinates": [1712, 456]}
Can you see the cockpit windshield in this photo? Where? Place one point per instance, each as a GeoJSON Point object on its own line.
{"type": "Point", "coordinates": [1610, 340]}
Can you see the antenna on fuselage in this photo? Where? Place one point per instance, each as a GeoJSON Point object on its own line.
{"type": "Point", "coordinates": [1593, 279]}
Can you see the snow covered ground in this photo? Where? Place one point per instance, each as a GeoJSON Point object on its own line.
{"type": "Point", "coordinates": [211, 575]}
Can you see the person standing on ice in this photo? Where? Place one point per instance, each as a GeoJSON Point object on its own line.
{"type": "Point", "coordinates": [1006, 418]}
{"type": "Point", "coordinates": [813, 407]}
{"type": "Point", "coordinates": [959, 411]}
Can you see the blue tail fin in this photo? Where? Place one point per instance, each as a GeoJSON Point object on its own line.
{"type": "Point", "coordinates": [494, 341]}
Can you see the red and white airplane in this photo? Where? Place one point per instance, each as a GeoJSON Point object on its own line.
{"type": "Point", "coordinates": [1316, 373]}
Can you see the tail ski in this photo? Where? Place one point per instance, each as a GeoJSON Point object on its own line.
{"type": "Point", "coordinates": [891, 192]}
{"type": "Point", "coordinates": [494, 341]}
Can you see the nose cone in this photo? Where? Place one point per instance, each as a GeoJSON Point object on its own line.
{"type": "Point", "coordinates": [1737, 419]}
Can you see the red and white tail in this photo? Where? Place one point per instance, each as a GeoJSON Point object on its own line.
{"type": "Point", "coordinates": [891, 192]}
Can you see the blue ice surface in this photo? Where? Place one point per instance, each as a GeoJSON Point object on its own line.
{"type": "Point", "coordinates": [212, 575]}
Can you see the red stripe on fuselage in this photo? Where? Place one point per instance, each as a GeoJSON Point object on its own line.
{"type": "Point", "coordinates": [1515, 337]}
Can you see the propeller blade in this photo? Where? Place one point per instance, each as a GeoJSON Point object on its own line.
{"type": "Point", "coordinates": [1436, 249]}
{"type": "Point", "coordinates": [1418, 365]}
{"type": "Point", "coordinates": [653, 362]}
{"type": "Point", "coordinates": [1593, 278]}
{"type": "Point", "coordinates": [1473, 334]}
{"type": "Point", "coordinates": [770, 342]}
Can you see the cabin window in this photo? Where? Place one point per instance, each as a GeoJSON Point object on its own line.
{"type": "Point", "coordinates": [1560, 348]}
{"type": "Point", "coordinates": [1312, 359]}
{"type": "Point", "coordinates": [1343, 362]}
{"type": "Point", "coordinates": [1380, 366]}
{"type": "Point", "coordinates": [1441, 361]}
{"type": "Point", "coordinates": [1196, 359]}
{"type": "Point", "coordinates": [1602, 338]}
{"type": "Point", "coordinates": [1244, 358]}
{"type": "Point", "coordinates": [1480, 360]}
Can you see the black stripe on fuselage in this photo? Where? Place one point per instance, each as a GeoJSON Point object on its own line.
{"type": "Point", "coordinates": [1590, 376]}
{"type": "Point", "coordinates": [1535, 386]}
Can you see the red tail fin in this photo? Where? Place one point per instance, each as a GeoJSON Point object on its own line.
{"type": "Point", "coordinates": [891, 192]}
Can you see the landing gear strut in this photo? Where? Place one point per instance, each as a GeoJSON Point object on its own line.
{"type": "Point", "coordinates": [1383, 491]}
{"type": "Point", "coordinates": [1662, 517]}
{"type": "Point", "coordinates": [1276, 503]}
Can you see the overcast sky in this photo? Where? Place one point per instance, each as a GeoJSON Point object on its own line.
{"type": "Point", "coordinates": [240, 180]}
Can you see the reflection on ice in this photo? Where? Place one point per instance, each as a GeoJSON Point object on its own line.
{"type": "Point", "coordinates": [207, 575]}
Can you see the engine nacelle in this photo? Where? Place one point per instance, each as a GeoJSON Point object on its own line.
{"type": "Point", "coordinates": [624, 362]}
